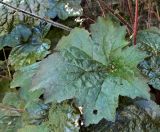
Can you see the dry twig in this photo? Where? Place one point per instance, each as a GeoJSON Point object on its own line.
{"type": "Point", "coordinates": [55, 24]}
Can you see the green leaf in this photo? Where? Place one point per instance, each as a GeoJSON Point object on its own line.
{"type": "Point", "coordinates": [18, 35]}
{"type": "Point", "coordinates": [34, 128]}
{"type": "Point", "coordinates": [149, 40]}
{"type": "Point", "coordinates": [28, 45]}
{"type": "Point", "coordinates": [155, 82]}
{"type": "Point", "coordinates": [104, 37]}
{"type": "Point", "coordinates": [27, 54]}
{"type": "Point", "coordinates": [150, 67]}
{"type": "Point", "coordinates": [150, 107]}
{"type": "Point", "coordinates": [37, 112]}
{"type": "Point", "coordinates": [23, 78]}
{"type": "Point", "coordinates": [8, 20]}
{"type": "Point", "coordinates": [12, 99]}
{"type": "Point", "coordinates": [140, 117]}
{"type": "Point", "coordinates": [62, 118]}
{"type": "Point", "coordinates": [10, 118]}
{"type": "Point", "coordinates": [93, 69]}
{"type": "Point", "coordinates": [36, 109]}
{"type": "Point", "coordinates": [43, 8]}
{"type": "Point", "coordinates": [64, 8]}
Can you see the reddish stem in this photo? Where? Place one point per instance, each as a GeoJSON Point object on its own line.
{"type": "Point", "coordinates": [135, 28]}
{"type": "Point", "coordinates": [129, 6]}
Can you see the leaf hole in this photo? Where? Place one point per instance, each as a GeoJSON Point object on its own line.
{"type": "Point", "coordinates": [95, 112]}
{"type": "Point", "coordinates": [17, 88]}
{"type": "Point", "coordinates": [41, 97]}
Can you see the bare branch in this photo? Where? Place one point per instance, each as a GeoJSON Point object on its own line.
{"type": "Point", "coordinates": [55, 24]}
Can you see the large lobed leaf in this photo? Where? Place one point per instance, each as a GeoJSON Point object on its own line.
{"type": "Point", "coordinates": [94, 70]}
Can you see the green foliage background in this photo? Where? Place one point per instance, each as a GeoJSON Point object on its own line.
{"type": "Point", "coordinates": [51, 78]}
